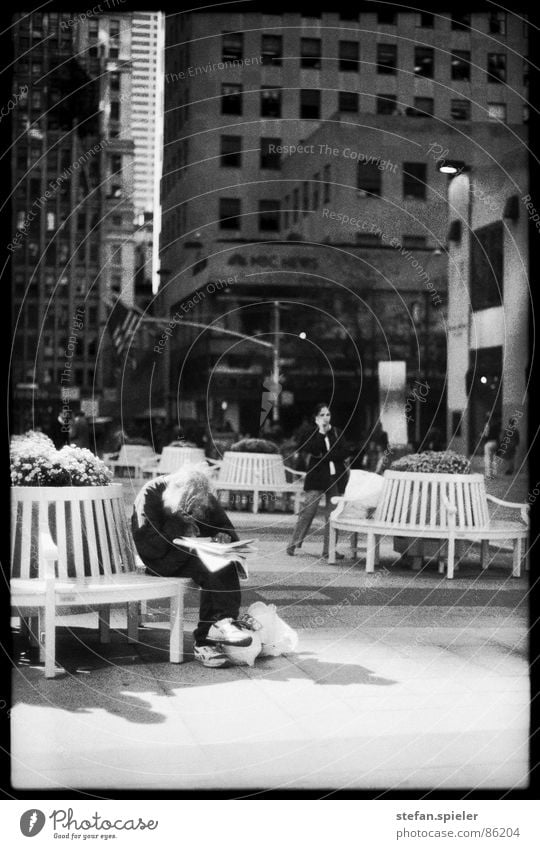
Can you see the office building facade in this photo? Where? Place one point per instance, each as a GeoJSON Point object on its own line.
{"type": "Point", "coordinates": [244, 89]}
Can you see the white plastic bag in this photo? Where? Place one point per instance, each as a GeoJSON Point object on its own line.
{"type": "Point", "coordinates": [365, 488]}
{"type": "Point", "coordinates": [276, 636]}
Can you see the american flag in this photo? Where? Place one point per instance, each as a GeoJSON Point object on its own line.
{"type": "Point", "coordinates": [123, 322]}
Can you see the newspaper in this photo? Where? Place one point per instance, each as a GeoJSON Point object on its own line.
{"type": "Point", "coordinates": [217, 555]}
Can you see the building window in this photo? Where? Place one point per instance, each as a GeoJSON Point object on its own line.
{"type": "Point", "coordinates": [272, 49]}
{"type": "Point", "coordinates": [315, 192]}
{"type": "Point", "coordinates": [310, 103]}
{"type": "Point", "coordinates": [424, 62]}
{"type": "Point", "coordinates": [389, 18]}
{"type": "Point", "coordinates": [386, 59]}
{"type": "Point", "coordinates": [231, 99]}
{"type": "Point", "coordinates": [414, 180]}
{"type": "Point", "coordinates": [115, 110]}
{"type": "Point", "coordinates": [349, 55]}
{"type": "Point", "coordinates": [487, 267]}
{"type": "Point", "coordinates": [305, 196]}
{"type": "Point", "coordinates": [460, 110]}
{"type": "Point", "coordinates": [425, 20]}
{"type": "Point", "coordinates": [114, 81]}
{"type": "Point", "coordinates": [413, 242]}
{"type": "Point", "coordinates": [270, 158]}
{"type": "Point", "coordinates": [368, 240]}
{"type": "Point", "coordinates": [229, 213]}
{"type": "Point", "coordinates": [116, 163]}
{"type": "Point", "coordinates": [270, 102]}
{"type": "Point", "coordinates": [497, 112]}
{"type": "Point", "coordinates": [497, 23]}
{"type": "Point", "coordinates": [326, 183]}
{"type": "Point", "coordinates": [232, 46]}
{"type": "Point", "coordinates": [231, 152]}
{"type": "Point", "coordinates": [460, 62]}
{"type": "Point", "coordinates": [525, 114]}
{"type": "Point", "coordinates": [296, 204]}
{"type": "Point", "coordinates": [423, 107]}
{"type": "Point", "coordinates": [348, 101]}
{"type": "Point", "coordinates": [461, 21]}
{"type": "Point", "coordinates": [310, 53]}
{"type": "Point", "coordinates": [269, 215]}
{"type": "Point", "coordinates": [386, 104]}
{"type": "Point", "coordinates": [496, 67]}
{"type": "Point", "coordinates": [286, 213]}
{"type": "Point", "coordinates": [368, 179]}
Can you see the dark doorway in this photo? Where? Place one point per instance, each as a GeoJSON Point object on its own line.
{"type": "Point", "coordinates": [484, 386]}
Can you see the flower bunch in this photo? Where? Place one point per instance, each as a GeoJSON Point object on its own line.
{"type": "Point", "coordinates": [255, 446]}
{"type": "Point", "coordinates": [442, 462]}
{"type": "Point", "coordinates": [36, 462]}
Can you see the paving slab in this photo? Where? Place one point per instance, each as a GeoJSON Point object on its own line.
{"type": "Point", "coordinates": [401, 680]}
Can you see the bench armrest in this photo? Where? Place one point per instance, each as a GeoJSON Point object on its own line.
{"type": "Point", "coordinates": [301, 475]}
{"type": "Point", "coordinates": [523, 507]}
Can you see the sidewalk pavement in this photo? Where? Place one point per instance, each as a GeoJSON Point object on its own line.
{"type": "Point", "coordinates": [401, 680]}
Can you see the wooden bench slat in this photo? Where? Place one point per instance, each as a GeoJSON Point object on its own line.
{"type": "Point", "coordinates": [433, 493]}
{"type": "Point", "coordinates": [26, 539]}
{"type": "Point", "coordinates": [102, 538]}
{"type": "Point", "coordinates": [91, 538]}
{"type": "Point", "coordinates": [61, 542]}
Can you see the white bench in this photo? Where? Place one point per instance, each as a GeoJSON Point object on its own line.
{"type": "Point", "coordinates": [131, 457]}
{"type": "Point", "coordinates": [172, 458]}
{"type": "Point", "coordinates": [72, 548]}
{"type": "Point", "coordinates": [242, 471]}
{"type": "Point", "coordinates": [432, 506]}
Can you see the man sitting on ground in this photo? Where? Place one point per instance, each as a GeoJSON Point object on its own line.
{"type": "Point", "coordinates": [183, 505]}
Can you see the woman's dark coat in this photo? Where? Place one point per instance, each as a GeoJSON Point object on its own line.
{"type": "Point", "coordinates": [154, 527]}
{"type": "Point", "coordinates": [318, 469]}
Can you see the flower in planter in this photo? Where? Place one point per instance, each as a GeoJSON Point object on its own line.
{"type": "Point", "coordinates": [36, 462]}
{"type": "Point", "coordinates": [441, 462]}
{"type": "Point", "coordinates": [255, 446]}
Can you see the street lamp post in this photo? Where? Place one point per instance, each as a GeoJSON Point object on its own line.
{"type": "Point", "coordinates": [275, 364]}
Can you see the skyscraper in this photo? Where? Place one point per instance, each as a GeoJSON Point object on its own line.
{"type": "Point", "coordinates": [73, 245]}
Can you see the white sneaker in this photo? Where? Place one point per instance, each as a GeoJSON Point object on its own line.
{"type": "Point", "coordinates": [226, 632]}
{"type": "Point", "coordinates": [210, 656]}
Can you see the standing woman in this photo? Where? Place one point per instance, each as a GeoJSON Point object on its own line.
{"type": "Point", "coordinates": [325, 476]}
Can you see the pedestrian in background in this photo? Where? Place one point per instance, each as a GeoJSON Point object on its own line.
{"type": "Point", "coordinates": [326, 476]}
{"type": "Point", "coordinates": [491, 433]}
{"type": "Point", "coordinates": [511, 445]}
{"type": "Point", "coordinates": [79, 432]}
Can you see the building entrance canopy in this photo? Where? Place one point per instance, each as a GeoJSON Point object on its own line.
{"type": "Point", "coordinates": [293, 265]}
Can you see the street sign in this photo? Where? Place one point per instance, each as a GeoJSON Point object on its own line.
{"type": "Point", "coordinates": [90, 407]}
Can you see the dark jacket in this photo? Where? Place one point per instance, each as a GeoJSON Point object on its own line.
{"type": "Point", "coordinates": [154, 527]}
{"type": "Point", "coordinates": [318, 467]}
